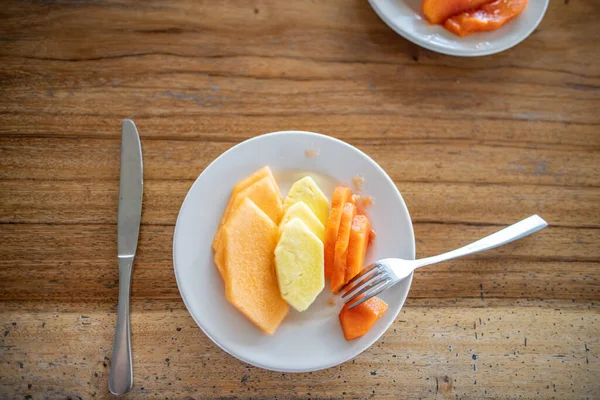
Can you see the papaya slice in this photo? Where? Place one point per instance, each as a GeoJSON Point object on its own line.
{"type": "Point", "coordinates": [359, 320]}
{"type": "Point", "coordinates": [340, 261]}
{"type": "Point", "coordinates": [360, 233]}
{"type": "Point", "coordinates": [341, 195]}
{"type": "Point", "coordinates": [487, 18]}
{"type": "Point", "coordinates": [438, 11]}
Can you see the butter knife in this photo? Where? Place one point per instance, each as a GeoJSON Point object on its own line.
{"type": "Point", "coordinates": [130, 212]}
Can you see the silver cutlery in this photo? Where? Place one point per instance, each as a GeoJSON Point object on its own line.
{"type": "Point", "coordinates": [385, 273]}
{"type": "Point", "coordinates": [130, 212]}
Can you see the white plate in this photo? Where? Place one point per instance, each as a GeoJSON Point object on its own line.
{"type": "Point", "coordinates": [406, 18]}
{"type": "Point", "coordinates": [306, 341]}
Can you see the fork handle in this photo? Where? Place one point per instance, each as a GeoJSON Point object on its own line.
{"type": "Point", "coordinates": [516, 231]}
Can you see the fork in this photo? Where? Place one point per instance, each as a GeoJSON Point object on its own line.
{"type": "Point", "coordinates": [384, 274]}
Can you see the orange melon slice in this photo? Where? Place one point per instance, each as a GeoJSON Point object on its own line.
{"type": "Point", "coordinates": [249, 240]}
{"type": "Point", "coordinates": [241, 185]}
{"type": "Point", "coordinates": [265, 194]}
{"type": "Point", "coordinates": [220, 258]}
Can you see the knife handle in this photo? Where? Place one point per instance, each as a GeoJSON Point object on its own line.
{"type": "Point", "coordinates": [121, 368]}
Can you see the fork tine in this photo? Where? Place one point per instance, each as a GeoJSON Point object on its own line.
{"type": "Point", "coordinates": [372, 293]}
{"type": "Point", "coordinates": [371, 284]}
{"type": "Point", "coordinates": [368, 277]}
{"type": "Point", "coordinates": [358, 276]}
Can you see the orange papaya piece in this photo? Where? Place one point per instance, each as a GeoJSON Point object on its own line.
{"type": "Point", "coordinates": [360, 234]}
{"type": "Point", "coordinates": [341, 195]}
{"type": "Point", "coordinates": [357, 321]}
{"type": "Point", "coordinates": [487, 18]}
{"type": "Point", "coordinates": [340, 260]}
{"type": "Point", "coordinates": [438, 11]}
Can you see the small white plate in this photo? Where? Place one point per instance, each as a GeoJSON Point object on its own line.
{"type": "Point", "coordinates": [406, 18]}
{"type": "Point", "coordinates": [313, 339]}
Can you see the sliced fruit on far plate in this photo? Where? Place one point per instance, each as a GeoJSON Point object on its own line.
{"type": "Point", "coordinates": [488, 17]}
{"type": "Point", "coordinates": [249, 240]}
{"type": "Point", "coordinates": [299, 264]}
{"type": "Point", "coordinates": [438, 11]}
{"type": "Point", "coordinates": [340, 261]}
{"type": "Point", "coordinates": [306, 190]}
{"type": "Point", "coordinates": [302, 211]}
{"type": "Point", "coordinates": [341, 195]}
{"type": "Point", "coordinates": [356, 322]}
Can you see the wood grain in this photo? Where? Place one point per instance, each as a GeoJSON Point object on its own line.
{"type": "Point", "coordinates": [472, 145]}
{"type": "Point", "coordinates": [93, 202]}
{"type": "Point", "coordinates": [467, 349]}
{"type": "Point", "coordinates": [421, 161]}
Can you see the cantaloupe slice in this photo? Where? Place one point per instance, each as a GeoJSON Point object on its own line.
{"type": "Point", "coordinates": [306, 190]}
{"type": "Point", "coordinates": [357, 321]}
{"type": "Point", "coordinates": [299, 263]}
{"type": "Point", "coordinates": [241, 185]}
{"type": "Point", "coordinates": [249, 240]}
{"type": "Point", "coordinates": [340, 261]}
{"type": "Point", "coordinates": [357, 246]}
{"type": "Point", "coordinates": [301, 210]}
{"type": "Point", "coordinates": [220, 257]}
{"type": "Point", "coordinates": [265, 194]}
{"type": "Point", "coordinates": [341, 195]}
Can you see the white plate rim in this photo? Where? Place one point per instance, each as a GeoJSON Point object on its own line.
{"type": "Point", "coordinates": [458, 53]}
{"type": "Point", "coordinates": [411, 242]}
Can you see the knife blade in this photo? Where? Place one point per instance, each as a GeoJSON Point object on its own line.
{"type": "Point", "coordinates": [128, 227]}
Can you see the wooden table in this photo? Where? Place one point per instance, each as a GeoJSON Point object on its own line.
{"type": "Point", "coordinates": [472, 144]}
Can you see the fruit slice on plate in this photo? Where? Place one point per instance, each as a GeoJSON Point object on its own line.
{"type": "Point", "coordinates": [357, 321]}
{"type": "Point", "coordinates": [301, 210]}
{"type": "Point", "coordinates": [307, 191]}
{"type": "Point", "coordinates": [438, 11]}
{"type": "Point", "coordinates": [265, 194]}
{"type": "Point", "coordinates": [264, 172]}
{"type": "Point", "coordinates": [299, 263]}
{"type": "Point", "coordinates": [249, 240]}
{"type": "Point", "coordinates": [340, 261]}
{"type": "Point", "coordinates": [360, 233]}
{"type": "Point", "coordinates": [220, 257]}
{"type": "Point", "coordinates": [487, 18]}
{"type": "Point", "coordinates": [341, 195]}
